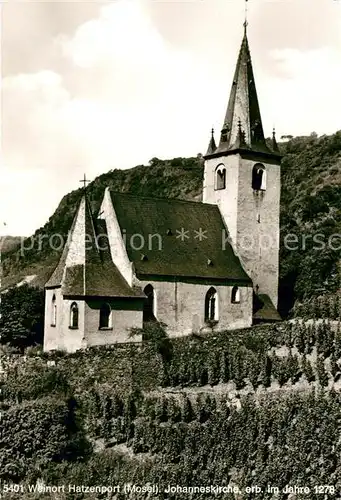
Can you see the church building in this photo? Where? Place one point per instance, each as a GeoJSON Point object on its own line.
{"type": "Point", "coordinates": [196, 267]}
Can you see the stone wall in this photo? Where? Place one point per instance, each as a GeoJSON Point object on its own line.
{"type": "Point", "coordinates": [226, 199]}
{"type": "Point", "coordinates": [61, 336]}
{"type": "Point", "coordinates": [181, 306]}
{"type": "Point", "coordinates": [256, 243]}
{"type": "Point", "coordinates": [126, 314]}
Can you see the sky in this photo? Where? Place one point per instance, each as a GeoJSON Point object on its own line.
{"type": "Point", "coordinates": [88, 86]}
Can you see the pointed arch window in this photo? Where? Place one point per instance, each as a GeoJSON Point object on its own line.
{"type": "Point", "coordinates": [220, 177]}
{"type": "Point", "coordinates": [259, 177]}
{"type": "Point", "coordinates": [74, 316]}
{"type": "Point", "coordinates": [53, 311]}
{"type": "Point", "coordinates": [149, 308]}
{"type": "Point", "coordinates": [211, 305]}
{"type": "Point", "coordinates": [105, 316]}
{"type": "Point", "coordinates": [235, 296]}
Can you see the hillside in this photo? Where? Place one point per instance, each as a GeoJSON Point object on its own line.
{"type": "Point", "coordinates": [176, 178]}
{"type": "Point", "coordinates": [311, 210]}
{"type": "Point", "coordinates": [247, 410]}
{"type": "Point", "coordinates": [310, 206]}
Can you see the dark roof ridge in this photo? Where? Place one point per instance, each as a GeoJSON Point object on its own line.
{"type": "Point", "coordinates": [159, 198]}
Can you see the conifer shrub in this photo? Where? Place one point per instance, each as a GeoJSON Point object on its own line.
{"type": "Point", "coordinates": [24, 382]}
{"type": "Point", "coordinates": [321, 371]}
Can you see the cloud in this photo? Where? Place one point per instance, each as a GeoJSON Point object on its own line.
{"type": "Point", "coordinates": [125, 92]}
{"type": "Point", "coordinates": [128, 96]}
{"type": "Point", "coordinates": [122, 32]}
{"type": "Point", "coordinates": [303, 90]}
{"type": "Point", "coordinates": [20, 203]}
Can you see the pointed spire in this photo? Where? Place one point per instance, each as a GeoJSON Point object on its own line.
{"type": "Point", "coordinates": [243, 103]}
{"type": "Point", "coordinates": [274, 142]}
{"type": "Point", "coordinates": [212, 145]}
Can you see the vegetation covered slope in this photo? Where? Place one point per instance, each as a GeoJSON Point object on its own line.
{"type": "Point", "coordinates": [310, 206]}
{"type": "Point", "coordinates": [311, 209]}
{"type": "Point", "coordinates": [177, 178]}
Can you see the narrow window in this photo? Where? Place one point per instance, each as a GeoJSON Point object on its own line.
{"type": "Point", "coordinates": [74, 315]}
{"type": "Point", "coordinates": [259, 177]}
{"type": "Point", "coordinates": [54, 311]}
{"type": "Point", "coordinates": [105, 316]}
{"type": "Point", "coordinates": [220, 177]}
{"type": "Point", "coordinates": [149, 304]}
{"type": "Point", "coordinates": [211, 305]}
{"type": "Point", "coordinates": [235, 296]}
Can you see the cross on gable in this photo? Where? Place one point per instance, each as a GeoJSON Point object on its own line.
{"type": "Point", "coordinates": [84, 181]}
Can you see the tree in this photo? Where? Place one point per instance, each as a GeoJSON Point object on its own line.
{"type": "Point", "coordinates": [22, 316]}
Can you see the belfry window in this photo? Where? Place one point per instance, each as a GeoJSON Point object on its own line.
{"type": "Point", "coordinates": [74, 315]}
{"type": "Point", "coordinates": [149, 305]}
{"type": "Point", "coordinates": [259, 177]}
{"type": "Point", "coordinates": [220, 177]}
{"type": "Point", "coordinates": [105, 316]}
{"type": "Point", "coordinates": [211, 305]}
{"type": "Point", "coordinates": [53, 311]}
{"type": "Point", "coordinates": [235, 296]}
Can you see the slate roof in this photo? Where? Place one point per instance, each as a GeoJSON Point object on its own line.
{"type": "Point", "coordinates": [99, 276]}
{"type": "Point", "coordinates": [266, 311]}
{"type": "Point", "coordinates": [166, 254]}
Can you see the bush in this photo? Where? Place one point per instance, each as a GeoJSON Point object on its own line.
{"type": "Point", "coordinates": [155, 333]}
{"type": "Point", "coordinates": [36, 433]}
{"type": "Point", "coordinates": [34, 380]}
{"type": "Point", "coordinates": [22, 316]}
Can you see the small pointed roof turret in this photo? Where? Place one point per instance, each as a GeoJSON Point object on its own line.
{"type": "Point", "coordinates": [212, 145]}
{"type": "Point", "coordinates": [240, 140]}
{"type": "Point", "coordinates": [274, 142]}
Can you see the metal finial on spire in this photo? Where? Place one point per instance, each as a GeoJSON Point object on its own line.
{"type": "Point", "coordinates": [245, 17]}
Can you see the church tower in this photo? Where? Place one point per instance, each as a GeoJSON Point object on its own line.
{"type": "Point", "coordinates": [242, 177]}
